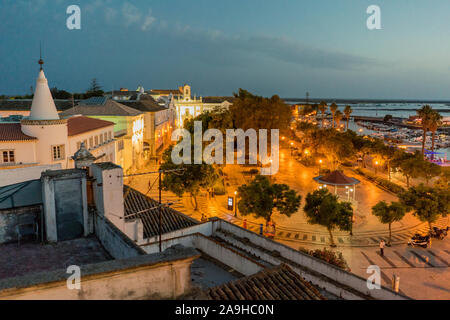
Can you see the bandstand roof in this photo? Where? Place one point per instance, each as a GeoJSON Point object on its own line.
{"type": "Point", "coordinates": [336, 178]}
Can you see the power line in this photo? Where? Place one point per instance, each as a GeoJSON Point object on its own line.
{"type": "Point", "coordinates": [150, 172]}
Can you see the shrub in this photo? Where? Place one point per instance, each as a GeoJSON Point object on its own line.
{"type": "Point", "coordinates": [384, 183]}
{"type": "Point", "coordinates": [331, 257]}
{"type": "Point", "coordinates": [219, 188]}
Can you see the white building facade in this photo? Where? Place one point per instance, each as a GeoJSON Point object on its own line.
{"type": "Point", "coordinates": [44, 139]}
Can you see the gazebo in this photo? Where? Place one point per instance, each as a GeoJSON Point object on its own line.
{"type": "Point", "coordinates": [338, 179]}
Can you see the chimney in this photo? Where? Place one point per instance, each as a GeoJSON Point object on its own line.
{"type": "Point", "coordinates": [108, 192]}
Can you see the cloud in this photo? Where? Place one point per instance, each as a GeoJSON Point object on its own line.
{"type": "Point", "coordinates": [130, 14]}
{"type": "Point", "coordinates": [110, 14]}
{"type": "Point", "coordinates": [274, 47]}
{"type": "Point", "coordinates": [148, 21]}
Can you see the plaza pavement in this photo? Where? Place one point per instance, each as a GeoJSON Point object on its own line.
{"type": "Point", "coordinates": [367, 230]}
{"type": "Point", "coordinates": [424, 273]}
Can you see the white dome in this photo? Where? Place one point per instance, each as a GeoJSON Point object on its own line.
{"type": "Point", "coordinates": [43, 107]}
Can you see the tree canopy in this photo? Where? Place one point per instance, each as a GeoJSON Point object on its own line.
{"type": "Point", "coordinates": [389, 213]}
{"type": "Point", "coordinates": [323, 208]}
{"type": "Point", "coordinates": [260, 197]}
{"type": "Point", "coordinates": [251, 111]}
{"type": "Point", "coordinates": [427, 203]}
{"type": "Point", "coordinates": [192, 180]}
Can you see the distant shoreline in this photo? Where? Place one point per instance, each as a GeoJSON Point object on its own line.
{"type": "Point", "coordinates": [356, 101]}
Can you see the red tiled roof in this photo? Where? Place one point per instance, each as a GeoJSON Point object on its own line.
{"type": "Point", "coordinates": [337, 177]}
{"type": "Point", "coordinates": [278, 283]}
{"type": "Point", "coordinates": [13, 132]}
{"type": "Point", "coordinates": [80, 124]}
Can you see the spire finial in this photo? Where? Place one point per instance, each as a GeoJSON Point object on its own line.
{"type": "Point", "coordinates": [41, 62]}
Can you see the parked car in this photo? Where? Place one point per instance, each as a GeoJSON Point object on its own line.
{"type": "Point", "coordinates": [420, 240]}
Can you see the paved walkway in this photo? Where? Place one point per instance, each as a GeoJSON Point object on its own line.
{"type": "Point", "coordinates": [367, 231]}
{"type": "Point", "coordinates": [424, 273]}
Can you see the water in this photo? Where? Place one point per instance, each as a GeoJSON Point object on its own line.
{"type": "Point", "coordinates": [400, 110]}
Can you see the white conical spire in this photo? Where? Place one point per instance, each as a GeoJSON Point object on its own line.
{"type": "Point", "coordinates": [43, 107]}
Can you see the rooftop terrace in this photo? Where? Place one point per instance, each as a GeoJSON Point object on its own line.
{"type": "Point", "coordinates": [32, 257]}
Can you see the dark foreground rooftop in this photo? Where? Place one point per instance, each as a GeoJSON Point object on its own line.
{"type": "Point", "coordinates": [278, 283]}
{"type": "Point", "coordinates": [31, 257]}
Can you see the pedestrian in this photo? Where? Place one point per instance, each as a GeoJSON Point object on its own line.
{"type": "Point", "coordinates": [382, 244]}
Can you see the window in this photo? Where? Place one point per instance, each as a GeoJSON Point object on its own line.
{"type": "Point", "coordinates": [91, 142]}
{"type": "Point", "coordinates": [78, 145]}
{"type": "Point", "coordinates": [109, 135]}
{"type": "Point", "coordinates": [58, 152]}
{"type": "Point", "coordinates": [105, 135]}
{"type": "Point", "coordinates": [8, 156]}
{"type": "Point", "coordinates": [96, 140]}
{"type": "Point", "coordinates": [101, 139]}
{"type": "Point", "coordinates": [85, 143]}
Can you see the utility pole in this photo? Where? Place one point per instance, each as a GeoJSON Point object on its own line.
{"type": "Point", "coordinates": [160, 211]}
{"type": "Point", "coordinates": [307, 97]}
{"type": "Point", "coordinates": [160, 171]}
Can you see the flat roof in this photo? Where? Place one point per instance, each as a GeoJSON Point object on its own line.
{"type": "Point", "coordinates": [32, 257]}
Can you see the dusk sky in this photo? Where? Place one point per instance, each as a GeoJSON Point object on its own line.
{"type": "Point", "coordinates": [268, 47]}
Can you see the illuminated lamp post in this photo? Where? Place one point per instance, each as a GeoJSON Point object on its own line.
{"type": "Point", "coordinates": [235, 203]}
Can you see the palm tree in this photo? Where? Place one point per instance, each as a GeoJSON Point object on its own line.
{"type": "Point", "coordinates": [338, 115]}
{"type": "Point", "coordinates": [323, 108]}
{"type": "Point", "coordinates": [425, 114]}
{"type": "Point", "coordinates": [434, 123]}
{"type": "Point", "coordinates": [347, 111]}
{"type": "Point", "coordinates": [333, 109]}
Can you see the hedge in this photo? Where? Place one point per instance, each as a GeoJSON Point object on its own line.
{"type": "Point", "coordinates": [384, 183]}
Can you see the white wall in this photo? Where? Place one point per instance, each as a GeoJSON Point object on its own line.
{"type": "Point", "coordinates": [230, 257]}
{"type": "Point", "coordinates": [112, 280]}
{"type": "Point", "coordinates": [24, 151]}
{"type": "Point", "coordinates": [48, 135]}
{"type": "Point", "coordinates": [107, 148]}
{"type": "Point", "coordinates": [12, 176]}
{"type": "Point", "coordinates": [306, 261]}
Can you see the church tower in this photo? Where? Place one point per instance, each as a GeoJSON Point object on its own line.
{"type": "Point", "coordinates": [44, 124]}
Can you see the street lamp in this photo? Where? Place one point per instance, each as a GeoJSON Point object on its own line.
{"type": "Point", "coordinates": [235, 203]}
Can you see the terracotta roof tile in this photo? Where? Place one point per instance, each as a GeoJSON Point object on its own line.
{"type": "Point", "coordinates": [278, 283]}
{"type": "Point", "coordinates": [165, 91]}
{"type": "Point", "coordinates": [80, 124]}
{"type": "Point", "coordinates": [13, 132]}
{"type": "Point", "coordinates": [109, 108]}
{"type": "Point", "coordinates": [135, 202]}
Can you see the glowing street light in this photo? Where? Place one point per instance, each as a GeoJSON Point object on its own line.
{"type": "Point", "coordinates": [235, 203]}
